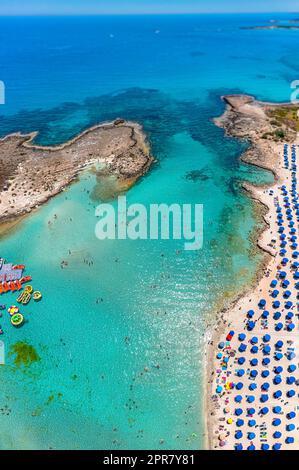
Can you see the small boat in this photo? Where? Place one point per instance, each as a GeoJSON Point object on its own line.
{"type": "Point", "coordinates": [2, 307]}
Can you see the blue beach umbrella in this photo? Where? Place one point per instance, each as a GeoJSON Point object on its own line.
{"type": "Point", "coordinates": [277, 435]}
{"type": "Point", "coordinates": [262, 303]}
{"type": "Point", "coordinates": [264, 410]}
{"type": "Point", "coordinates": [277, 446]}
{"type": "Point", "coordinates": [241, 372]}
{"type": "Point", "coordinates": [287, 294]}
{"type": "Point", "coordinates": [277, 380]}
{"type": "Point", "coordinates": [276, 304]}
{"type": "Point", "coordinates": [254, 340]}
{"type": "Point", "coordinates": [254, 350]}
{"type": "Point", "coordinates": [250, 313]}
{"type": "Point", "coordinates": [266, 361]}
{"type": "Point", "coordinates": [265, 314]}
{"type": "Point", "coordinates": [278, 356]}
{"type": "Point", "coordinates": [253, 373]}
{"type": "Point", "coordinates": [292, 368]}
{"type": "Point", "coordinates": [254, 362]}
{"type": "Point", "coordinates": [250, 325]}
{"type": "Point", "coordinates": [265, 373]}
{"type": "Point", "coordinates": [251, 411]}
{"type": "Point", "coordinates": [277, 394]}
{"type": "Point", "coordinates": [264, 398]}
{"type": "Point", "coordinates": [266, 350]}
{"type": "Point", "coordinates": [276, 422]}
{"type": "Point", "coordinates": [250, 399]}
{"type": "Point", "coordinates": [279, 344]}
{"type": "Point", "coordinates": [278, 327]}
{"type": "Point", "coordinates": [238, 435]}
{"type": "Point", "coordinates": [251, 447]}
{"type": "Point", "coordinates": [239, 386]}
{"type": "Point", "coordinates": [252, 387]}
{"type": "Point", "coordinates": [238, 398]}
{"type": "Point", "coordinates": [265, 447]}
{"type": "Point", "coordinates": [291, 327]}
{"type": "Point", "coordinates": [277, 409]}
{"type": "Point", "coordinates": [238, 447]}
{"type": "Point", "coordinates": [290, 427]}
{"type": "Point", "coordinates": [241, 360]}
{"type": "Point", "coordinates": [251, 423]}
{"type": "Point", "coordinates": [251, 436]}
{"type": "Point", "coordinates": [291, 393]}
{"type": "Point", "coordinates": [242, 347]}
{"type": "Point", "coordinates": [238, 411]}
{"type": "Point", "coordinates": [278, 370]}
{"type": "Point", "coordinates": [277, 315]}
{"type": "Point", "coordinates": [265, 386]}
{"type": "Point", "coordinates": [240, 423]}
{"type": "Point", "coordinates": [275, 293]}
{"type": "Point", "coordinates": [290, 440]}
{"type": "Point", "coordinates": [266, 338]}
{"type": "Point", "coordinates": [242, 336]}
{"type": "Point", "coordinates": [273, 283]}
{"type": "Point", "coordinates": [291, 380]}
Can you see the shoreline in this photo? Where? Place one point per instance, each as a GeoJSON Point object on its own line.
{"type": "Point", "coordinates": [31, 174]}
{"type": "Point", "coordinates": [245, 118]}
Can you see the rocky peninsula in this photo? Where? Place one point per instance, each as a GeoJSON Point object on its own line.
{"type": "Point", "coordinates": [30, 174]}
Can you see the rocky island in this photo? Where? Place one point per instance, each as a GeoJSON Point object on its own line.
{"type": "Point", "coordinates": [31, 174]}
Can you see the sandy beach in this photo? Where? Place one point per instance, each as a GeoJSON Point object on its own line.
{"type": "Point", "coordinates": [252, 365]}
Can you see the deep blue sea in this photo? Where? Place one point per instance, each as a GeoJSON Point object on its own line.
{"type": "Point", "coordinates": [120, 331]}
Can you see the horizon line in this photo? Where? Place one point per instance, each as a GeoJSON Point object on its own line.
{"type": "Point", "coordinates": [144, 13]}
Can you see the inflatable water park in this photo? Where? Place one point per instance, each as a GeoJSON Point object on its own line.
{"type": "Point", "coordinates": [13, 279]}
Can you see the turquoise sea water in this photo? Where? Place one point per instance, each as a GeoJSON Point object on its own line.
{"type": "Point", "coordinates": [120, 330]}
